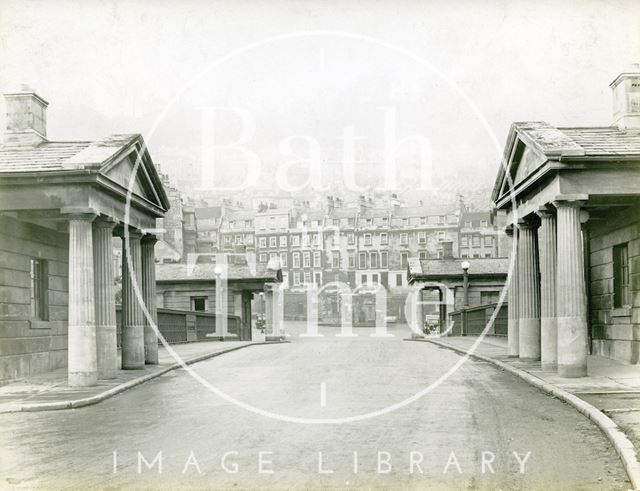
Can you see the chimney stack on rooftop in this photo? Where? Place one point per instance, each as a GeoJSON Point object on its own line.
{"type": "Point", "coordinates": [626, 98]}
{"type": "Point", "coordinates": [330, 204]}
{"type": "Point", "coordinates": [26, 122]}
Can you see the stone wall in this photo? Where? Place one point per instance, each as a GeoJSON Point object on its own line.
{"type": "Point", "coordinates": [615, 332]}
{"type": "Point", "coordinates": [29, 346]}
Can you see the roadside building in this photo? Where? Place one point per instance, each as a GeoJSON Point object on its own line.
{"type": "Point", "coordinates": [576, 223]}
{"type": "Point", "coordinates": [461, 286]}
{"type": "Point", "coordinates": [61, 202]}
{"type": "Point", "coordinates": [194, 287]}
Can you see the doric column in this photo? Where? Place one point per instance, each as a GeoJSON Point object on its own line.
{"type": "Point", "coordinates": [82, 367]}
{"type": "Point", "coordinates": [149, 294]}
{"type": "Point", "coordinates": [528, 293]}
{"type": "Point", "coordinates": [547, 245]}
{"type": "Point", "coordinates": [106, 339]}
{"type": "Point", "coordinates": [513, 336]}
{"type": "Point", "coordinates": [132, 315]}
{"type": "Point", "coordinates": [571, 298]}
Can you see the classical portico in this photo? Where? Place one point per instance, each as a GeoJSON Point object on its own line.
{"type": "Point", "coordinates": [88, 193]}
{"type": "Point", "coordinates": [556, 193]}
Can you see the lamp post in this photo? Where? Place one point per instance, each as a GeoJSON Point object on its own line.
{"type": "Point", "coordinates": [465, 283]}
{"type": "Point", "coordinates": [465, 295]}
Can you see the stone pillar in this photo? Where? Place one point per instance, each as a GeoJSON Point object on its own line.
{"type": "Point", "coordinates": [105, 299]}
{"type": "Point", "coordinates": [571, 298]}
{"type": "Point", "coordinates": [147, 246]}
{"type": "Point", "coordinates": [132, 315]}
{"type": "Point", "coordinates": [278, 309]}
{"type": "Point", "coordinates": [222, 322]}
{"type": "Point", "coordinates": [513, 336]}
{"type": "Point", "coordinates": [83, 365]}
{"type": "Point", "coordinates": [547, 245]}
{"type": "Point", "coordinates": [528, 293]}
{"type": "Point", "coordinates": [268, 311]}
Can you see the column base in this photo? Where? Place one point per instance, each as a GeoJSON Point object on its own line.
{"type": "Point", "coordinates": [549, 367]}
{"type": "Point", "coordinates": [107, 352]}
{"type": "Point", "coordinates": [108, 374]}
{"type": "Point", "coordinates": [572, 371]}
{"type": "Point", "coordinates": [548, 342]}
{"type": "Point", "coordinates": [82, 379]}
{"type": "Point", "coordinates": [529, 345]}
{"type": "Point", "coordinates": [150, 356]}
{"type": "Point", "coordinates": [572, 347]}
{"type": "Point", "coordinates": [132, 348]}
{"type": "Point", "coordinates": [513, 338]}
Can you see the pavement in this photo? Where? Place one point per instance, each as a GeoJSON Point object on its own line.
{"type": "Point", "coordinates": [49, 391]}
{"type": "Point", "coordinates": [316, 413]}
{"type": "Point", "coordinates": [609, 394]}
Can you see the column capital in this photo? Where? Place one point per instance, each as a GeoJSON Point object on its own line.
{"type": "Point", "coordinates": [133, 232]}
{"type": "Point", "coordinates": [570, 200]}
{"type": "Point", "coordinates": [79, 213]}
{"type": "Point", "coordinates": [526, 225]}
{"type": "Point", "coordinates": [149, 239]}
{"type": "Point", "coordinates": [545, 211]}
{"type": "Point", "coordinates": [105, 222]}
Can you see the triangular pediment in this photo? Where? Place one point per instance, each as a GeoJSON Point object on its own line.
{"type": "Point", "coordinates": [146, 184]}
{"type": "Point", "coordinates": [121, 173]}
{"type": "Point", "coordinates": [529, 146]}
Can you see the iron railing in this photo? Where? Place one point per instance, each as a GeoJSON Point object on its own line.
{"type": "Point", "coordinates": [473, 320]}
{"type": "Point", "coordinates": [184, 326]}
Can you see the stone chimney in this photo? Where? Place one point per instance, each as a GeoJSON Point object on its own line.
{"type": "Point", "coordinates": [26, 123]}
{"type": "Point", "coordinates": [395, 202]}
{"type": "Point", "coordinates": [362, 202]}
{"type": "Point", "coordinates": [626, 99]}
{"type": "Point", "coordinates": [330, 204]}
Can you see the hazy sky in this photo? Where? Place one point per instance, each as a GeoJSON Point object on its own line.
{"type": "Point", "coordinates": [153, 67]}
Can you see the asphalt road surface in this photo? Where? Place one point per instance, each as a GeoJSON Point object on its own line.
{"type": "Point", "coordinates": [174, 432]}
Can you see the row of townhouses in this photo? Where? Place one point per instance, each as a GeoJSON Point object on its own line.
{"type": "Point", "coordinates": [356, 243]}
{"type": "Point", "coordinates": [361, 243]}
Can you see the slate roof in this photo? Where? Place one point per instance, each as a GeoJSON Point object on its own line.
{"type": "Point", "coordinates": [374, 212]}
{"type": "Point", "coordinates": [206, 271]}
{"type": "Point", "coordinates": [208, 212]}
{"type": "Point", "coordinates": [56, 156]}
{"type": "Point", "coordinates": [345, 212]}
{"type": "Point", "coordinates": [585, 143]}
{"type": "Point", "coordinates": [423, 211]}
{"type": "Point", "coordinates": [609, 140]}
{"type": "Point", "coordinates": [579, 142]}
{"type": "Point", "coordinates": [430, 268]}
{"type": "Point", "coordinates": [240, 215]}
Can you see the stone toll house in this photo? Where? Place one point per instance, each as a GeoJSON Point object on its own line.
{"type": "Point", "coordinates": [61, 202]}
{"type": "Point", "coordinates": [571, 197]}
